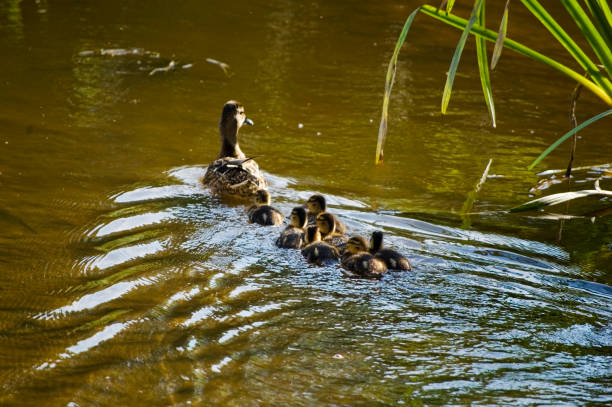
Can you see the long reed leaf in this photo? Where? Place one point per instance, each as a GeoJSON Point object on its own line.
{"type": "Point", "coordinates": [603, 21]}
{"type": "Point", "coordinates": [501, 36]}
{"type": "Point", "coordinates": [595, 82]}
{"type": "Point", "coordinates": [489, 35]}
{"type": "Point", "coordinates": [596, 41]}
{"type": "Point", "coordinates": [602, 9]}
{"type": "Point", "coordinates": [605, 8]}
{"type": "Point", "coordinates": [457, 56]}
{"type": "Point", "coordinates": [449, 6]}
{"type": "Point", "coordinates": [568, 135]}
{"type": "Point", "coordinates": [382, 129]}
{"type": "Point", "coordinates": [483, 67]}
{"type": "Point", "coordinates": [568, 43]}
{"type": "Point", "coordinates": [556, 199]}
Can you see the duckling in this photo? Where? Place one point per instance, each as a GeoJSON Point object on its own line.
{"type": "Point", "coordinates": [316, 251]}
{"type": "Point", "coordinates": [327, 228]}
{"type": "Point", "coordinates": [316, 204]}
{"type": "Point", "coordinates": [293, 235]}
{"type": "Point", "coordinates": [262, 212]}
{"type": "Point", "coordinates": [393, 259]}
{"type": "Point", "coordinates": [232, 173]}
{"type": "Point", "coordinates": [357, 259]}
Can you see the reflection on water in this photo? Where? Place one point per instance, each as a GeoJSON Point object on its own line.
{"type": "Point", "coordinates": [124, 282]}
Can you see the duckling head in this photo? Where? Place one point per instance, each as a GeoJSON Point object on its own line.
{"type": "Point", "coordinates": [262, 197]}
{"type": "Point", "coordinates": [232, 119]}
{"type": "Point", "coordinates": [376, 241]}
{"type": "Point", "coordinates": [356, 244]}
{"type": "Point", "coordinates": [316, 204]}
{"type": "Point", "coordinates": [312, 234]}
{"type": "Point", "coordinates": [326, 223]}
{"type": "Point", "coordinates": [298, 217]}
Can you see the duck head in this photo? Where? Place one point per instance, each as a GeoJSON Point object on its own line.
{"type": "Point", "coordinates": [356, 244]}
{"type": "Point", "coordinates": [262, 197]}
{"type": "Point", "coordinates": [376, 241]}
{"type": "Point", "coordinates": [316, 204]}
{"type": "Point", "coordinates": [298, 217]}
{"type": "Point", "coordinates": [312, 234]}
{"type": "Point", "coordinates": [232, 119]}
{"type": "Point", "coordinates": [326, 223]}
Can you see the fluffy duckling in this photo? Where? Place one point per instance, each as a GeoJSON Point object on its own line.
{"type": "Point", "coordinates": [232, 173]}
{"type": "Point", "coordinates": [327, 227]}
{"type": "Point", "coordinates": [393, 259]}
{"type": "Point", "coordinates": [316, 251]}
{"type": "Point", "coordinates": [316, 204]}
{"type": "Point", "coordinates": [293, 235]}
{"type": "Point", "coordinates": [262, 212]}
{"type": "Point", "coordinates": [357, 259]}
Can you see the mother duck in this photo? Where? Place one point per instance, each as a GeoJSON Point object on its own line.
{"type": "Point", "coordinates": [232, 173]}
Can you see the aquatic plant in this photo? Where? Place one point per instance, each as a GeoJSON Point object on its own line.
{"type": "Point", "coordinates": [597, 29]}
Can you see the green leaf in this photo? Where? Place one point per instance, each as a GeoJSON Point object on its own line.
{"type": "Point", "coordinates": [483, 67]}
{"type": "Point", "coordinates": [595, 82]}
{"type": "Point", "coordinates": [501, 36]}
{"type": "Point", "coordinates": [489, 35]}
{"type": "Point", "coordinates": [555, 199]}
{"type": "Point", "coordinates": [449, 5]}
{"type": "Point", "coordinates": [382, 129]}
{"type": "Point", "coordinates": [605, 8]}
{"type": "Point", "coordinates": [568, 135]}
{"type": "Point", "coordinates": [457, 56]}
{"type": "Point", "coordinates": [598, 10]}
{"type": "Point", "coordinates": [570, 45]}
{"type": "Point", "coordinates": [596, 41]}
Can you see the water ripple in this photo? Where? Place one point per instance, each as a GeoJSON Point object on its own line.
{"type": "Point", "coordinates": [122, 255]}
{"type": "Point", "coordinates": [176, 285]}
{"type": "Point", "coordinates": [130, 224]}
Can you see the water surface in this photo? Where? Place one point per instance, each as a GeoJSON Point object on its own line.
{"type": "Point", "coordinates": [124, 282]}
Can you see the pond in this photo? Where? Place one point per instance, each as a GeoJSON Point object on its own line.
{"type": "Point", "coordinates": [125, 282]}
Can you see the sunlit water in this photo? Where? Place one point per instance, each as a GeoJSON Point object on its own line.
{"type": "Point", "coordinates": [181, 301]}
{"type": "Point", "coordinates": [123, 281]}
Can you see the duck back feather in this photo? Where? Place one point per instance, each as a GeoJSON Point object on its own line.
{"type": "Point", "coordinates": [320, 253]}
{"type": "Point", "coordinates": [290, 238]}
{"type": "Point", "coordinates": [265, 215]}
{"type": "Point", "coordinates": [363, 264]}
{"type": "Point", "coordinates": [233, 176]}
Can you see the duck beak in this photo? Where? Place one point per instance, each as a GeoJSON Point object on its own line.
{"type": "Point", "coordinates": [249, 122]}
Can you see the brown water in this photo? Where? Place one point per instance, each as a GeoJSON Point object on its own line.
{"type": "Point", "coordinates": [124, 282]}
